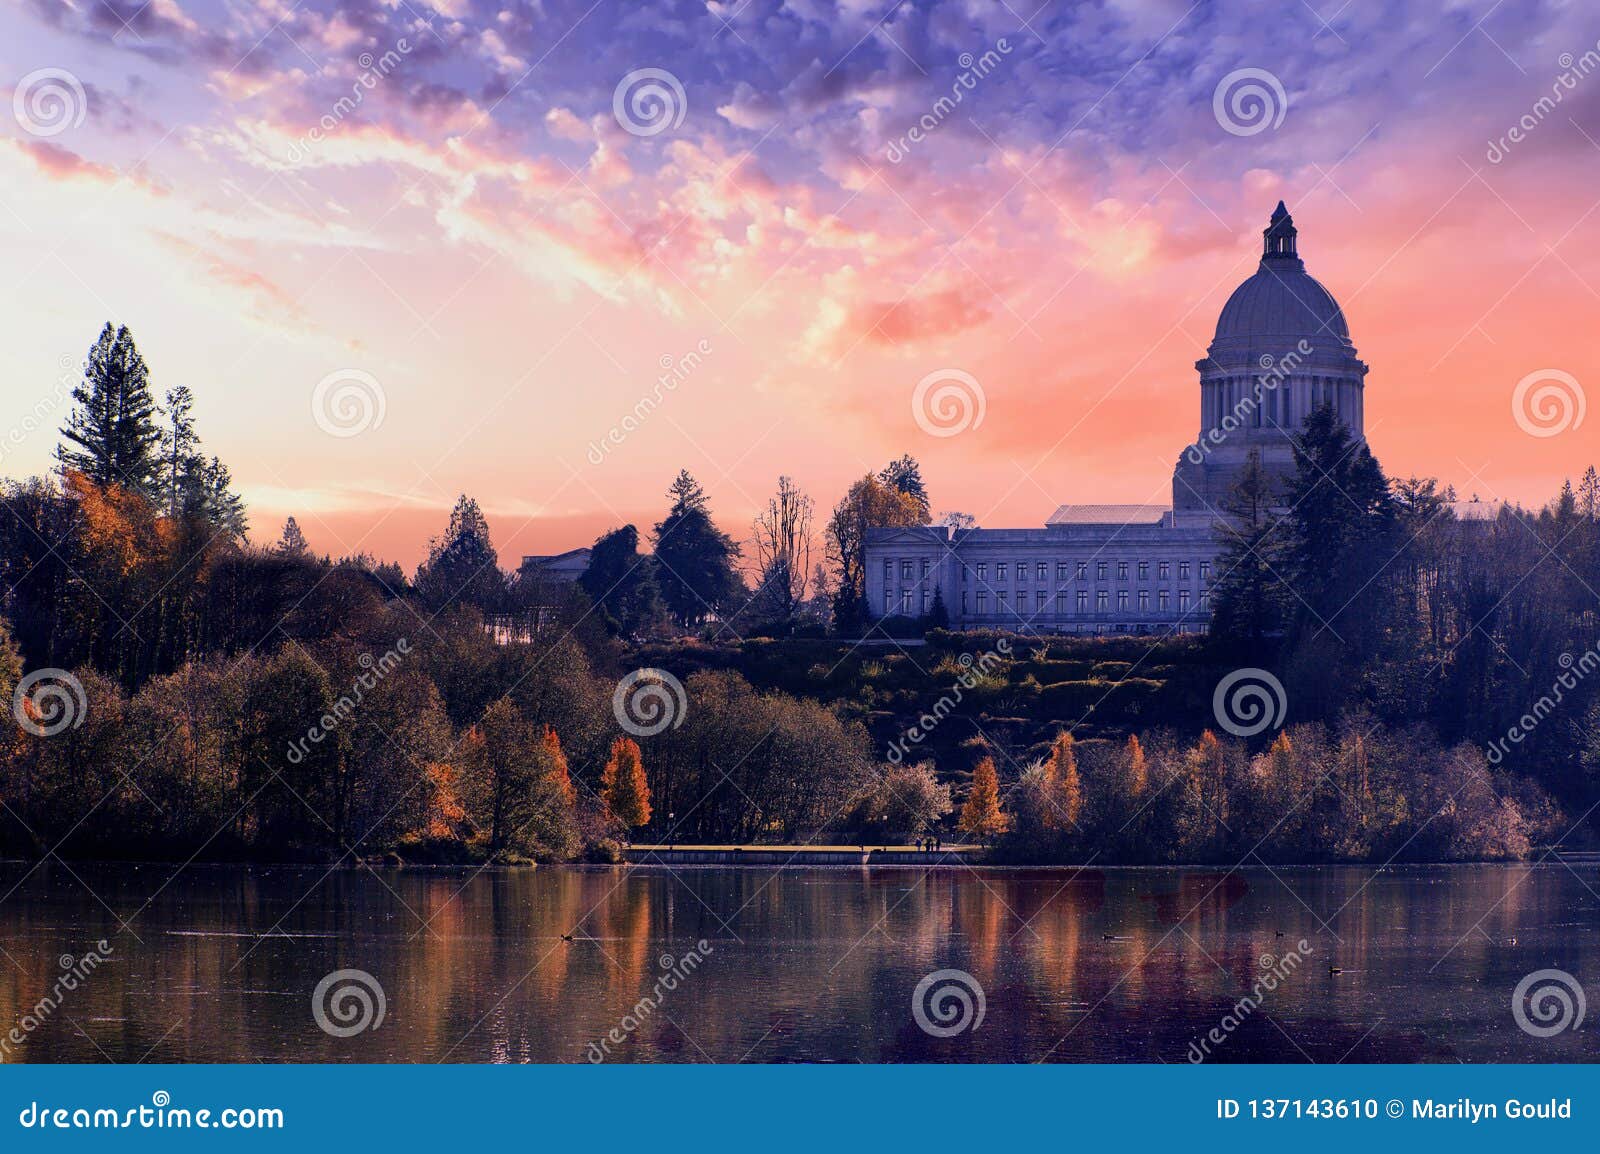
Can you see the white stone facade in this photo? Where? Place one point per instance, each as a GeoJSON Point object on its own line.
{"type": "Point", "coordinates": [1281, 349]}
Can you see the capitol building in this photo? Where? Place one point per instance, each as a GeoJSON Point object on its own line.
{"type": "Point", "coordinates": [1281, 349]}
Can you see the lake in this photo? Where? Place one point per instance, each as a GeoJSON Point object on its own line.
{"type": "Point", "coordinates": [221, 964]}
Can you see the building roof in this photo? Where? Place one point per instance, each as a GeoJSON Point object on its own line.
{"type": "Point", "coordinates": [570, 559]}
{"type": "Point", "coordinates": [1108, 514]}
{"type": "Point", "coordinates": [1282, 300]}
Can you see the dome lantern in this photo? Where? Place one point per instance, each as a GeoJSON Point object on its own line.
{"type": "Point", "coordinates": [1278, 238]}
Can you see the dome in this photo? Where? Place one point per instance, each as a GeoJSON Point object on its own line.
{"type": "Point", "coordinates": [1281, 299]}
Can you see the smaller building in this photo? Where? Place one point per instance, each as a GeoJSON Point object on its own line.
{"type": "Point", "coordinates": [1092, 569]}
{"type": "Point", "coordinates": [563, 567]}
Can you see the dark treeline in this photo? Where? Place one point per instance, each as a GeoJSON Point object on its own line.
{"type": "Point", "coordinates": [1371, 595]}
{"type": "Point", "coordinates": [240, 699]}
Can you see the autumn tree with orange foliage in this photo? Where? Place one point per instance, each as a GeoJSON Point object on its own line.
{"type": "Point", "coordinates": [559, 775]}
{"type": "Point", "coordinates": [1063, 787]}
{"type": "Point", "coordinates": [623, 786]}
{"type": "Point", "coordinates": [1138, 768]}
{"type": "Point", "coordinates": [982, 816]}
{"type": "Point", "coordinates": [446, 815]}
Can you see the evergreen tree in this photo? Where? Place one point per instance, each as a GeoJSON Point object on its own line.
{"type": "Point", "coordinates": [1247, 598]}
{"type": "Point", "coordinates": [694, 558]}
{"type": "Point", "coordinates": [905, 476]}
{"type": "Point", "coordinates": [1589, 494]}
{"type": "Point", "coordinates": [1341, 538]}
{"type": "Point", "coordinates": [938, 612]}
{"type": "Point", "coordinates": [292, 543]}
{"type": "Point", "coordinates": [622, 581]}
{"type": "Point", "coordinates": [114, 426]}
{"type": "Point", "coordinates": [180, 474]}
{"type": "Point", "coordinates": [223, 508]}
{"type": "Point", "coordinates": [623, 786]}
{"type": "Point", "coordinates": [462, 566]}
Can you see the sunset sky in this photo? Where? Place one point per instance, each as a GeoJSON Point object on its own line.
{"type": "Point", "coordinates": [482, 242]}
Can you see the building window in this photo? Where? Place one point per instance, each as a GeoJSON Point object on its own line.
{"type": "Point", "coordinates": [905, 602]}
{"type": "Point", "coordinates": [1022, 572]}
{"type": "Point", "coordinates": [1163, 600]}
{"type": "Point", "coordinates": [964, 600]}
{"type": "Point", "coordinates": [924, 602]}
{"type": "Point", "coordinates": [1122, 599]}
{"type": "Point", "coordinates": [888, 570]}
{"type": "Point", "coordinates": [1163, 569]}
{"type": "Point", "coordinates": [1000, 600]}
{"type": "Point", "coordinates": [1144, 601]}
{"type": "Point", "coordinates": [1100, 570]}
{"type": "Point", "coordinates": [1042, 571]}
{"type": "Point", "coordinates": [1038, 601]}
{"type": "Point", "coordinates": [905, 570]}
{"type": "Point", "coordinates": [1183, 600]}
{"type": "Point", "coordinates": [1083, 570]}
{"type": "Point", "coordinates": [1102, 601]}
{"type": "Point", "coordinates": [1083, 601]}
{"type": "Point", "coordinates": [1000, 570]}
{"type": "Point", "coordinates": [1205, 602]}
{"type": "Point", "coordinates": [983, 571]}
{"type": "Point", "coordinates": [1205, 570]}
{"type": "Point", "coordinates": [924, 566]}
{"type": "Point", "coordinates": [1122, 570]}
{"type": "Point", "coordinates": [1062, 571]}
{"type": "Point", "coordinates": [1183, 570]}
{"type": "Point", "coordinates": [1061, 602]}
{"type": "Point", "coordinates": [888, 602]}
{"type": "Point", "coordinates": [1144, 570]}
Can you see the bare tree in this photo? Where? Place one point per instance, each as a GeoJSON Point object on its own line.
{"type": "Point", "coordinates": [783, 541]}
